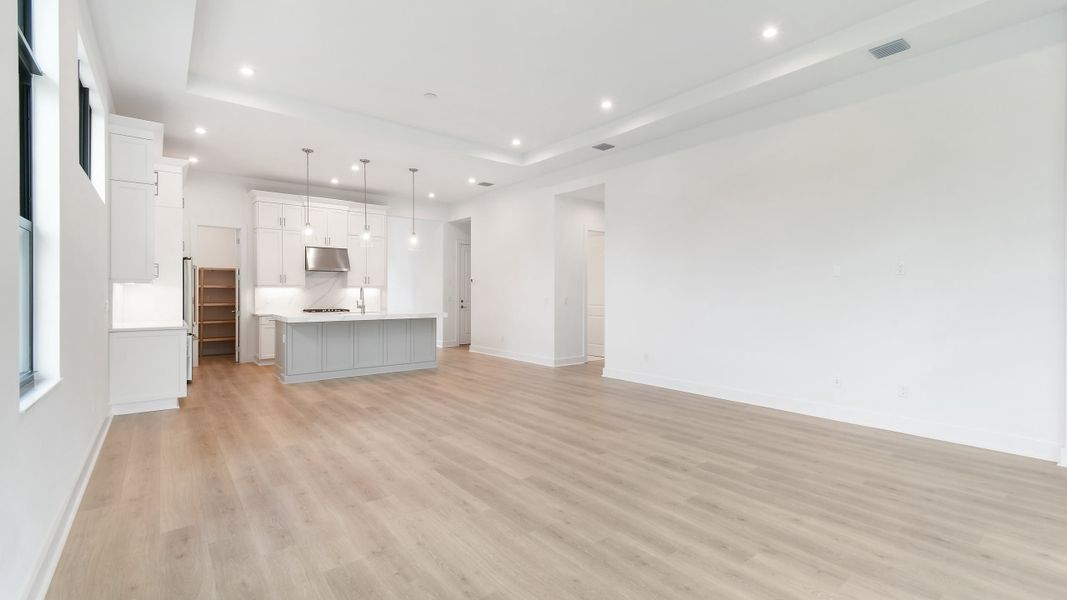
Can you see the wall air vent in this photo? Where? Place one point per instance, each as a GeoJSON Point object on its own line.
{"type": "Point", "coordinates": [887, 50]}
{"type": "Point", "coordinates": [603, 147]}
{"type": "Point", "coordinates": [485, 184]}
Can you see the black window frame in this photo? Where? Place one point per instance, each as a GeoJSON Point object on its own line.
{"type": "Point", "coordinates": [28, 68]}
{"type": "Point", "coordinates": [85, 129]}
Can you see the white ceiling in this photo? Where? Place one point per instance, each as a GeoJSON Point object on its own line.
{"type": "Point", "coordinates": [347, 77]}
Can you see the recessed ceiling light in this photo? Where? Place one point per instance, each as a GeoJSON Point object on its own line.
{"type": "Point", "coordinates": [516, 142]}
{"type": "Point", "coordinates": [200, 131]}
{"type": "Point", "coordinates": [431, 195]}
{"type": "Point", "coordinates": [194, 159]}
{"type": "Point", "coordinates": [430, 96]}
{"type": "Point", "coordinates": [355, 166]}
{"type": "Point", "coordinates": [247, 71]}
{"type": "Point", "coordinates": [606, 104]}
{"type": "Point", "coordinates": [335, 181]}
{"type": "Point", "coordinates": [472, 180]}
{"type": "Point", "coordinates": [770, 32]}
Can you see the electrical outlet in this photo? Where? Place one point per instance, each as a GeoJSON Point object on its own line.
{"type": "Point", "coordinates": [900, 269]}
{"type": "Point", "coordinates": [837, 382]}
{"type": "Point", "coordinates": [902, 392]}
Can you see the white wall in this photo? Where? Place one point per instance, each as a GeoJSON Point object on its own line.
{"type": "Point", "coordinates": [512, 268]}
{"type": "Point", "coordinates": [574, 217]}
{"type": "Point", "coordinates": [721, 253]}
{"type": "Point", "coordinates": [45, 450]}
{"type": "Point", "coordinates": [415, 278]}
{"type": "Point", "coordinates": [217, 247]}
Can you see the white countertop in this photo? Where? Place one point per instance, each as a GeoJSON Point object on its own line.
{"type": "Point", "coordinates": [148, 326]}
{"type": "Point", "coordinates": [348, 316]}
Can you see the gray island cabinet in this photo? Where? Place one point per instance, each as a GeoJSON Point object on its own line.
{"type": "Point", "coordinates": [312, 347]}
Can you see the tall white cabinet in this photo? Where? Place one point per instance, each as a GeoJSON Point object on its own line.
{"type": "Point", "coordinates": [148, 340]}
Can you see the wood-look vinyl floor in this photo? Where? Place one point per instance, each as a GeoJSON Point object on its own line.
{"type": "Point", "coordinates": [490, 479]}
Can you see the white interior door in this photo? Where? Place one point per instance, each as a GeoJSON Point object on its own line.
{"type": "Point", "coordinates": [463, 269]}
{"type": "Point", "coordinates": [594, 294]}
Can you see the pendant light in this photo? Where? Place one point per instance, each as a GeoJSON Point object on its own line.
{"type": "Point", "coordinates": [413, 241]}
{"type": "Point", "coordinates": [308, 231]}
{"type": "Point", "coordinates": [366, 240]}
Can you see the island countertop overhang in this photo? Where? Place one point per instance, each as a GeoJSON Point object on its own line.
{"type": "Point", "coordinates": [344, 316]}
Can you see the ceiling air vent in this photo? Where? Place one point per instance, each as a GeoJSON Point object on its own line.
{"type": "Point", "coordinates": [603, 147]}
{"type": "Point", "coordinates": [887, 50]}
{"type": "Point", "coordinates": [485, 184]}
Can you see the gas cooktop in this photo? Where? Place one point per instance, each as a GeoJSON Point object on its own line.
{"type": "Point", "coordinates": [326, 310]}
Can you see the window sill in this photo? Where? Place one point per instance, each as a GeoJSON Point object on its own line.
{"type": "Point", "coordinates": [39, 390]}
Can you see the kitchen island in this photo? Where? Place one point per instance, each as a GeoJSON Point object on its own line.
{"type": "Point", "coordinates": [317, 346]}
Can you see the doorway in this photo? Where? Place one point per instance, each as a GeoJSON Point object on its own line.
{"type": "Point", "coordinates": [594, 295]}
{"type": "Point", "coordinates": [217, 258]}
{"type": "Point", "coordinates": [463, 289]}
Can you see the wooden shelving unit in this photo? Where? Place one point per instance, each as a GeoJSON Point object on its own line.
{"type": "Point", "coordinates": [217, 306]}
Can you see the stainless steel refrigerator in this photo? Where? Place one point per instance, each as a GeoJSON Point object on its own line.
{"type": "Point", "coordinates": [189, 313]}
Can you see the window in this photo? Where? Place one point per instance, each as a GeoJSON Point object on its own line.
{"type": "Point", "coordinates": [85, 129]}
{"type": "Point", "coordinates": [27, 69]}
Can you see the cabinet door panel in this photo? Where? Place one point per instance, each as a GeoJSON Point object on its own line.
{"type": "Point", "coordinates": [170, 189]}
{"type": "Point", "coordinates": [269, 257]}
{"type": "Point", "coordinates": [397, 341]}
{"type": "Point", "coordinates": [357, 257]}
{"type": "Point", "coordinates": [338, 351]}
{"type": "Point", "coordinates": [304, 348]}
{"type": "Point", "coordinates": [423, 340]}
{"type": "Point", "coordinates": [268, 215]}
{"type": "Point", "coordinates": [376, 267]}
{"type": "Point", "coordinates": [131, 159]}
{"type": "Point", "coordinates": [336, 228]}
{"type": "Point", "coordinates": [293, 258]}
{"type": "Point", "coordinates": [293, 217]}
{"type": "Point", "coordinates": [369, 344]}
{"type": "Point", "coordinates": [319, 223]}
{"type": "Point", "coordinates": [133, 227]}
{"type": "Point", "coordinates": [377, 225]}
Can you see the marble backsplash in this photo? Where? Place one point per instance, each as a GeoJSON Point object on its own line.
{"type": "Point", "coordinates": [321, 290]}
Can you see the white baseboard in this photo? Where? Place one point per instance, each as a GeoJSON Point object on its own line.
{"type": "Point", "coordinates": [448, 344]}
{"type": "Point", "coordinates": [49, 560]}
{"type": "Point", "coordinates": [528, 358]}
{"type": "Point", "coordinates": [989, 440]}
{"type": "Point", "coordinates": [129, 408]}
{"type": "Point", "coordinates": [264, 362]}
{"type": "Point", "coordinates": [1063, 457]}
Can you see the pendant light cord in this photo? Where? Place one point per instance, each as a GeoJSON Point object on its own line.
{"type": "Point", "coordinates": [307, 185]}
{"type": "Point", "coordinates": [413, 200]}
{"type": "Point", "coordinates": [364, 161]}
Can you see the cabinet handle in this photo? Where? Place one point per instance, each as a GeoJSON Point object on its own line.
{"type": "Point", "coordinates": [156, 266]}
{"type": "Point", "coordinates": [157, 182]}
{"type": "Point", "coordinates": [281, 221]}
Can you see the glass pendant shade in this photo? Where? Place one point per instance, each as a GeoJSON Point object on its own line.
{"type": "Point", "coordinates": [413, 242]}
{"type": "Point", "coordinates": [308, 231]}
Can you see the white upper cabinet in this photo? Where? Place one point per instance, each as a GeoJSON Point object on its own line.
{"type": "Point", "coordinates": [268, 215]}
{"type": "Point", "coordinates": [337, 228]}
{"type": "Point", "coordinates": [132, 159]}
{"type": "Point", "coordinates": [269, 257]}
{"type": "Point", "coordinates": [279, 222]}
{"type": "Point", "coordinates": [293, 258]}
{"type": "Point", "coordinates": [133, 223]}
{"type": "Point", "coordinates": [279, 258]}
{"type": "Point", "coordinates": [276, 215]}
{"type": "Point", "coordinates": [170, 188]}
{"type": "Point", "coordinates": [318, 219]}
{"type": "Point", "coordinates": [375, 220]}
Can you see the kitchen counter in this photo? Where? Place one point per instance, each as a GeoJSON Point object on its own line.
{"type": "Point", "coordinates": [304, 317]}
{"type": "Point", "coordinates": [316, 346]}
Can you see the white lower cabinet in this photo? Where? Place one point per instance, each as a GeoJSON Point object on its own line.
{"type": "Point", "coordinates": [147, 369]}
{"type": "Point", "coordinates": [265, 351]}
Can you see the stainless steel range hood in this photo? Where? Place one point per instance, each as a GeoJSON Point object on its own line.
{"type": "Point", "coordinates": [333, 260]}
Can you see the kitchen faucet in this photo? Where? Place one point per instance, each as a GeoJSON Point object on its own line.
{"type": "Point", "coordinates": [362, 304]}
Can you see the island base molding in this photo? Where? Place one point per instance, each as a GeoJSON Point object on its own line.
{"type": "Point", "coordinates": [356, 372]}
